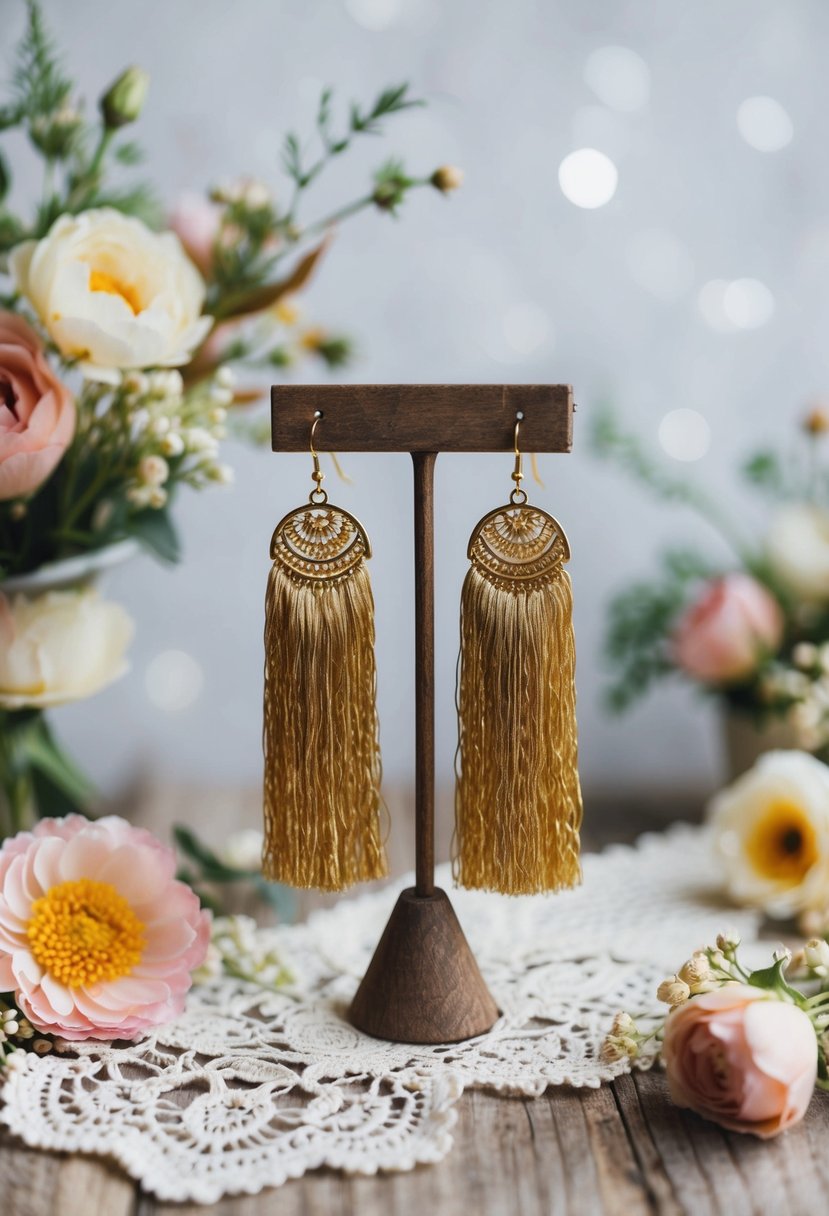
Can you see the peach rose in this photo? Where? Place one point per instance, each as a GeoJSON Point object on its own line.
{"type": "Point", "coordinates": [195, 221]}
{"type": "Point", "coordinates": [722, 636]}
{"type": "Point", "coordinates": [741, 1057]}
{"type": "Point", "coordinates": [37, 412]}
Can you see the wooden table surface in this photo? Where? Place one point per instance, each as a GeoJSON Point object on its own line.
{"type": "Point", "coordinates": [621, 1150]}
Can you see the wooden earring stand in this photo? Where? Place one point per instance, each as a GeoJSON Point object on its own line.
{"type": "Point", "coordinates": [423, 984]}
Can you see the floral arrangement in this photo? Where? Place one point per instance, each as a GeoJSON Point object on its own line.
{"type": "Point", "coordinates": [753, 630]}
{"type": "Point", "coordinates": [100, 940]}
{"type": "Point", "coordinates": [125, 339]}
{"type": "Point", "coordinates": [745, 1047]}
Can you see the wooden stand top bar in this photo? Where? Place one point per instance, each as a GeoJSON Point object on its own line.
{"type": "Point", "coordinates": [422, 417]}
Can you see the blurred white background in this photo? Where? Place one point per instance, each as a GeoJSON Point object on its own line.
{"type": "Point", "coordinates": [683, 269]}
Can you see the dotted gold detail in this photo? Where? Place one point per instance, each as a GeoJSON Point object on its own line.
{"type": "Point", "coordinates": [519, 544]}
{"type": "Point", "coordinates": [319, 542]}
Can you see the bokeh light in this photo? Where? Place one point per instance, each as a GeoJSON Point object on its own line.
{"type": "Point", "coordinates": [588, 178]}
{"type": "Point", "coordinates": [660, 263]}
{"type": "Point", "coordinates": [739, 304]}
{"type": "Point", "coordinates": [764, 124]}
{"type": "Point", "coordinates": [685, 434]}
{"type": "Point", "coordinates": [173, 680]}
{"type": "Point", "coordinates": [619, 77]}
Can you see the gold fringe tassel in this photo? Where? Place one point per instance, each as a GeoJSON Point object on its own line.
{"type": "Point", "coordinates": [321, 743]}
{"type": "Point", "coordinates": [518, 803]}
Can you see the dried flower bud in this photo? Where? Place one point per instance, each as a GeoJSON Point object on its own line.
{"type": "Point", "coordinates": [42, 1046]}
{"type": "Point", "coordinates": [728, 941]}
{"type": "Point", "coordinates": [447, 178]}
{"type": "Point", "coordinates": [696, 969]}
{"type": "Point", "coordinates": [124, 99]}
{"type": "Point", "coordinates": [816, 421]}
{"type": "Point", "coordinates": [673, 991]}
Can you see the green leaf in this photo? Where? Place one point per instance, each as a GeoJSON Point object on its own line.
{"type": "Point", "coordinates": [154, 529]}
{"type": "Point", "coordinates": [48, 759]}
{"type": "Point", "coordinates": [129, 153]}
{"type": "Point", "coordinates": [212, 867]}
{"type": "Point", "coordinates": [38, 80]}
{"type": "Point", "coordinates": [772, 979]}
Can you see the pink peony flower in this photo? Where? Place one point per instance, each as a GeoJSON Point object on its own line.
{"type": "Point", "coordinates": [723, 635]}
{"type": "Point", "coordinates": [37, 412]}
{"type": "Point", "coordinates": [97, 939]}
{"type": "Point", "coordinates": [195, 220]}
{"type": "Point", "coordinates": [742, 1058]}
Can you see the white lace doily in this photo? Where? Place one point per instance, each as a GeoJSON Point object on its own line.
{"type": "Point", "coordinates": [250, 1088]}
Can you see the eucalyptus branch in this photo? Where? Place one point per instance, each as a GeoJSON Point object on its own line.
{"type": "Point", "coordinates": [610, 442]}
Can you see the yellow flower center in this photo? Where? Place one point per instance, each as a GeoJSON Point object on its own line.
{"type": "Point", "coordinates": [85, 931]}
{"type": "Point", "coordinates": [99, 280]}
{"type": "Point", "coordinates": [783, 844]}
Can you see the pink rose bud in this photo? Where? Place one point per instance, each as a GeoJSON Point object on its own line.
{"type": "Point", "coordinates": [742, 1058]}
{"type": "Point", "coordinates": [723, 636]}
{"type": "Point", "coordinates": [37, 412]}
{"type": "Point", "coordinates": [195, 220]}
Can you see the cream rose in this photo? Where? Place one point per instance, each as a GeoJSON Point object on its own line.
{"type": "Point", "coordinates": [59, 647]}
{"type": "Point", "coordinates": [798, 550]}
{"type": "Point", "coordinates": [112, 293]}
{"type": "Point", "coordinates": [771, 831]}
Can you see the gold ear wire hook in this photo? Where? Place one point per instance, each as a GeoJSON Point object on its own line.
{"type": "Point", "coordinates": [317, 495]}
{"type": "Point", "coordinates": [518, 495]}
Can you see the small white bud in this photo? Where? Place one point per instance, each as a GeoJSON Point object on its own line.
{"type": "Point", "coordinates": [695, 970]}
{"type": "Point", "coordinates": [138, 496]}
{"type": "Point", "coordinates": [153, 470]}
{"type": "Point", "coordinates": [782, 954]}
{"type": "Point", "coordinates": [160, 426]}
{"type": "Point", "coordinates": [16, 1061]}
{"type": "Point", "coordinates": [172, 444]}
{"type": "Point", "coordinates": [225, 377]}
{"type": "Point", "coordinates": [157, 498]}
{"type": "Point", "coordinates": [805, 655]}
{"type": "Point", "coordinates": [221, 396]}
{"type": "Point", "coordinates": [135, 383]}
{"type": "Point", "coordinates": [729, 940]}
{"type": "Point", "coordinates": [816, 955]}
{"type": "Point", "coordinates": [218, 415]}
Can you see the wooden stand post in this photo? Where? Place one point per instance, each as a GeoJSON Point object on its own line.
{"type": "Point", "coordinates": [423, 984]}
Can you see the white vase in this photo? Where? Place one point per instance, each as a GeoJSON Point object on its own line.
{"type": "Point", "coordinates": [745, 740]}
{"type": "Point", "coordinates": [71, 571]}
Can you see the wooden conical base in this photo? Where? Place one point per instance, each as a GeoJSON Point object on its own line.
{"type": "Point", "coordinates": [423, 984]}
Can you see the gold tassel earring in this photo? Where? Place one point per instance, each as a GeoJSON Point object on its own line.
{"type": "Point", "coordinates": [322, 754]}
{"type": "Point", "coordinates": [518, 803]}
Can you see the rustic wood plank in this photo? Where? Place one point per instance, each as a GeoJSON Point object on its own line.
{"type": "Point", "coordinates": [33, 1183]}
{"type": "Point", "coordinates": [422, 417]}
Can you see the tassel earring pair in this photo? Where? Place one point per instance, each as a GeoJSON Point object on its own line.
{"type": "Point", "coordinates": [518, 803]}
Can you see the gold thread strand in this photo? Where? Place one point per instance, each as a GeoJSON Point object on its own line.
{"type": "Point", "coordinates": [323, 808]}
{"type": "Point", "coordinates": [518, 805]}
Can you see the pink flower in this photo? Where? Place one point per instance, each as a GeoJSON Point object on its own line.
{"type": "Point", "coordinates": [742, 1058]}
{"type": "Point", "coordinates": [196, 222]}
{"type": "Point", "coordinates": [97, 939]}
{"type": "Point", "coordinates": [37, 413]}
{"type": "Point", "coordinates": [723, 636]}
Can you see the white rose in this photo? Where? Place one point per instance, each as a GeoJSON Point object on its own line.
{"type": "Point", "coordinates": [798, 550]}
{"type": "Point", "coordinates": [59, 647]}
{"type": "Point", "coordinates": [112, 293]}
{"type": "Point", "coordinates": [771, 831]}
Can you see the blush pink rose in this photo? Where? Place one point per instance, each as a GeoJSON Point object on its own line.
{"type": "Point", "coordinates": [195, 220]}
{"type": "Point", "coordinates": [97, 938]}
{"type": "Point", "coordinates": [722, 636]}
{"type": "Point", "coordinates": [37, 412]}
{"type": "Point", "coordinates": [742, 1058]}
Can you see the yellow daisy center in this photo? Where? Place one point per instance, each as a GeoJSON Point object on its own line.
{"type": "Point", "coordinates": [99, 280]}
{"type": "Point", "coordinates": [84, 931]}
{"type": "Point", "coordinates": [783, 844]}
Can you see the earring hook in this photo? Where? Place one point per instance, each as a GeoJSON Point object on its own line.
{"type": "Point", "coordinates": [317, 495]}
{"type": "Point", "coordinates": [518, 496]}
